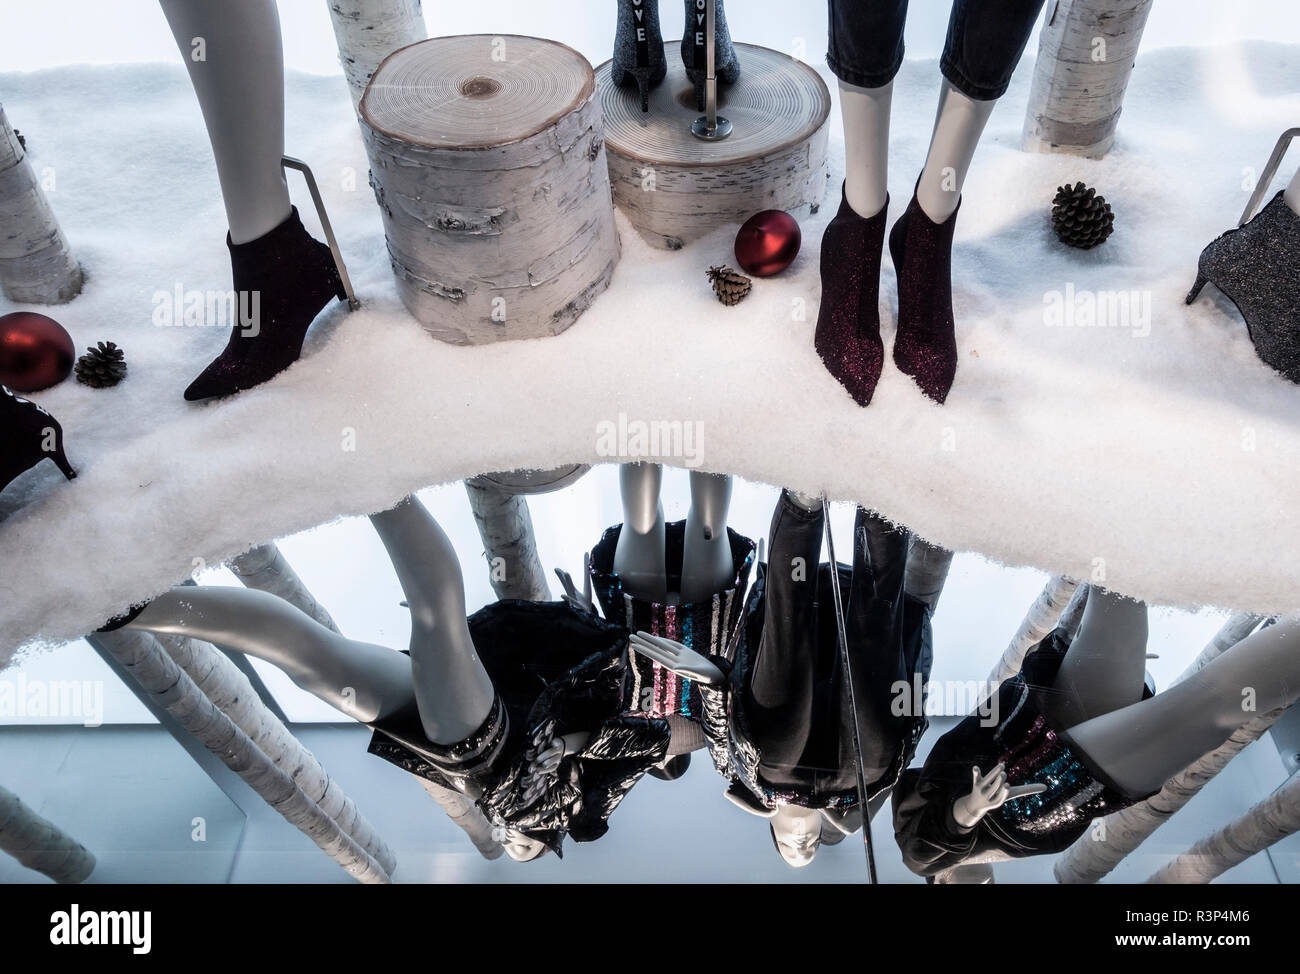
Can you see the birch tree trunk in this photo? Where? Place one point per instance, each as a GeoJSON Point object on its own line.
{"type": "Point", "coordinates": [487, 160]}
{"type": "Point", "coordinates": [1090, 858]}
{"type": "Point", "coordinates": [1085, 57]}
{"type": "Point", "coordinates": [468, 816]}
{"type": "Point", "coordinates": [36, 264]}
{"type": "Point", "coordinates": [509, 544]}
{"type": "Point", "coordinates": [1237, 628]}
{"type": "Point", "coordinates": [223, 683]}
{"type": "Point", "coordinates": [1041, 619]}
{"type": "Point", "coordinates": [927, 571]}
{"type": "Point", "coordinates": [143, 656]}
{"type": "Point", "coordinates": [265, 568]}
{"type": "Point", "coordinates": [368, 31]}
{"type": "Point", "coordinates": [39, 844]}
{"type": "Point", "coordinates": [1273, 819]}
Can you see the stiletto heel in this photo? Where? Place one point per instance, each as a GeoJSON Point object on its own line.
{"type": "Point", "coordinates": [25, 429]}
{"type": "Point", "coordinates": [1194, 293]}
{"type": "Point", "coordinates": [638, 48]}
{"type": "Point", "coordinates": [61, 459]}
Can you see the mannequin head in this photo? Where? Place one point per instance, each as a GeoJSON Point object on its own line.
{"type": "Point", "coordinates": [796, 833]}
{"type": "Point", "coordinates": [521, 848]}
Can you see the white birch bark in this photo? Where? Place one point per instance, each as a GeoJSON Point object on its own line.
{"type": "Point", "coordinates": [143, 656]}
{"type": "Point", "coordinates": [1099, 851]}
{"type": "Point", "coordinates": [1041, 619]}
{"type": "Point", "coordinates": [36, 264]}
{"type": "Point", "coordinates": [228, 688]}
{"type": "Point", "coordinates": [264, 568]}
{"type": "Point", "coordinates": [1234, 630]}
{"type": "Point", "coordinates": [368, 31]}
{"type": "Point", "coordinates": [1085, 57]}
{"type": "Point", "coordinates": [39, 844]}
{"type": "Point", "coordinates": [1273, 819]}
{"type": "Point", "coordinates": [509, 544]}
{"type": "Point", "coordinates": [490, 176]}
{"type": "Point", "coordinates": [468, 816]}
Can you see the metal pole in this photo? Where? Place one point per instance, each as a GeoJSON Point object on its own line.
{"type": "Point", "coordinates": [842, 634]}
{"type": "Point", "coordinates": [710, 126]}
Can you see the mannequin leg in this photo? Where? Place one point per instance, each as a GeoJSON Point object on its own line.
{"type": "Point", "coordinates": [1144, 744]}
{"type": "Point", "coordinates": [866, 146]}
{"type": "Point", "coordinates": [452, 689]}
{"type": "Point", "coordinates": [1292, 193]}
{"type": "Point", "coordinates": [958, 125]}
{"type": "Point", "coordinates": [707, 565]}
{"type": "Point", "coordinates": [362, 680]}
{"type": "Point", "coordinates": [1106, 663]}
{"type": "Point", "coordinates": [240, 87]}
{"type": "Point", "coordinates": [779, 697]}
{"type": "Point", "coordinates": [639, 557]}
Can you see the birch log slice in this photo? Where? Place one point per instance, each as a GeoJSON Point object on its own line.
{"type": "Point", "coordinates": [676, 188]}
{"type": "Point", "coordinates": [487, 160]}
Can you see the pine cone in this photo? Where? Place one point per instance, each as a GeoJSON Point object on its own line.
{"type": "Point", "coordinates": [101, 366]}
{"type": "Point", "coordinates": [1080, 217]}
{"type": "Point", "coordinates": [729, 284]}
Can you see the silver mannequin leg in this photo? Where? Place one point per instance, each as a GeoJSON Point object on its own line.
{"type": "Point", "coordinates": [362, 680]}
{"type": "Point", "coordinates": [452, 688]}
{"type": "Point", "coordinates": [707, 565]}
{"type": "Point", "coordinates": [239, 81]}
{"type": "Point", "coordinates": [639, 556]}
{"type": "Point", "coordinates": [1144, 744]}
{"type": "Point", "coordinates": [1104, 669]}
{"type": "Point", "coordinates": [958, 125]}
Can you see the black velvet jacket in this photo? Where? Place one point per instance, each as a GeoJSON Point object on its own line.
{"type": "Point", "coordinates": [548, 662]}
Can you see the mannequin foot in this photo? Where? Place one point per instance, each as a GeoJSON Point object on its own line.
{"type": "Point", "coordinates": [282, 281]}
{"type": "Point", "coordinates": [848, 321]}
{"type": "Point", "coordinates": [926, 345]}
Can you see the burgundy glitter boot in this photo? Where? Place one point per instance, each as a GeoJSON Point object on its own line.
{"type": "Point", "coordinates": [926, 346]}
{"type": "Point", "coordinates": [848, 321]}
{"type": "Point", "coordinates": [282, 281]}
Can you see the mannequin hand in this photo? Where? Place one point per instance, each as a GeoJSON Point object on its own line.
{"type": "Point", "coordinates": [988, 792]}
{"type": "Point", "coordinates": [672, 655]}
{"type": "Point", "coordinates": [544, 759]}
{"type": "Point", "coordinates": [578, 600]}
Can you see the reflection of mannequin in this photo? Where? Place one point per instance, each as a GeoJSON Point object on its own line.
{"type": "Point", "coordinates": [640, 555]}
{"type": "Point", "coordinates": [437, 713]}
{"type": "Point", "coordinates": [779, 725]}
{"type": "Point", "coordinates": [1072, 738]}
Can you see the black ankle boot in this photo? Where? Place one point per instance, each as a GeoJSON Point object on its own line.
{"type": "Point", "coordinates": [283, 278]}
{"type": "Point", "coordinates": [1255, 267]}
{"type": "Point", "coordinates": [28, 435]}
{"type": "Point", "coordinates": [638, 48]}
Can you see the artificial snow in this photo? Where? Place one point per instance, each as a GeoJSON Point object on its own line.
{"type": "Point", "coordinates": [1154, 454]}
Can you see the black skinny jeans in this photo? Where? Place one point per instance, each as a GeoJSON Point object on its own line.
{"type": "Point", "coordinates": [984, 44]}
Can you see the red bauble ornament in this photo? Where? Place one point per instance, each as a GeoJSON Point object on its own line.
{"type": "Point", "coordinates": [767, 242]}
{"type": "Point", "coordinates": [36, 351]}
